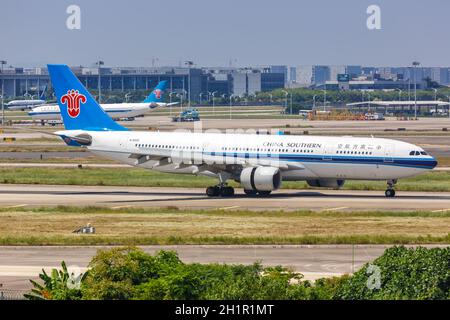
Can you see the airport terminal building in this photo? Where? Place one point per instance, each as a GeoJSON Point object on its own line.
{"type": "Point", "coordinates": [19, 82]}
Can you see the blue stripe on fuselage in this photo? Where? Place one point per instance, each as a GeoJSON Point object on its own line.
{"type": "Point", "coordinates": [422, 163]}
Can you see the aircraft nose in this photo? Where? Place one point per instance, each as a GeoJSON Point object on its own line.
{"type": "Point", "coordinates": [433, 163]}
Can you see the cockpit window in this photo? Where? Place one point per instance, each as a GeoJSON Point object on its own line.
{"type": "Point", "coordinates": [418, 153]}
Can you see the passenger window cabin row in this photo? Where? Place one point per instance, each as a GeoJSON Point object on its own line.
{"type": "Point", "coordinates": [141, 145]}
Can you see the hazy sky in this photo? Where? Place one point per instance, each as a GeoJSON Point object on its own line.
{"type": "Point", "coordinates": [211, 32]}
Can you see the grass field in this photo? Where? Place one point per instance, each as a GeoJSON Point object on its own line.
{"type": "Point", "coordinates": [432, 181]}
{"type": "Point", "coordinates": [54, 226]}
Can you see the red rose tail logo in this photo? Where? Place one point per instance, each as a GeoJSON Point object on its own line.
{"type": "Point", "coordinates": [72, 99]}
{"type": "Point", "coordinates": [157, 93]}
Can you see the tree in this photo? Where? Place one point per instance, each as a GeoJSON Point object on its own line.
{"type": "Point", "coordinates": [58, 285]}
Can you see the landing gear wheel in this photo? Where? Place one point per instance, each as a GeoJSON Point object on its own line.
{"type": "Point", "coordinates": [213, 191]}
{"type": "Point", "coordinates": [250, 192]}
{"type": "Point", "coordinates": [227, 191]}
{"type": "Point", "coordinates": [390, 193]}
{"type": "Point", "coordinates": [264, 193]}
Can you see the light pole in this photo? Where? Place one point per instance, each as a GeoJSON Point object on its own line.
{"type": "Point", "coordinates": [415, 65]}
{"type": "Point", "coordinates": [231, 100]}
{"type": "Point", "coordinates": [212, 95]}
{"type": "Point", "coordinates": [435, 99]}
{"type": "Point", "coordinates": [127, 96]}
{"type": "Point", "coordinates": [180, 95]}
{"type": "Point", "coordinates": [170, 102]}
{"type": "Point", "coordinates": [286, 94]}
{"type": "Point", "coordinates": [271, 98]}
{"type": "Point", "coordinates": [189, 63]}
{"type": "Point", "coordinates": [399, 94]}
{"type": "Point", "coordinates": [448, 109]}
{"type": "Point", "coordinates": [200, 97]}
{"type": "Point", "coordinates": [3, 62]}
{"type": "Point", "coordinates": [324, 99]}
{"type": "Point", "coordinates": [99, 63]}
{"type": "Point", "coordinates": [314, 101]}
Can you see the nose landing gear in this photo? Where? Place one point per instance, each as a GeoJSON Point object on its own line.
{"type": "Point", "coordinates": [390, 192]}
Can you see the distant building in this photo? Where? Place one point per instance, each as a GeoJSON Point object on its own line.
{"type": "Point", "coordinates": [280, 69]}
{"type": "Point", "coordinates": [335, 70]}
{"type": "Point", "coordinates": [292, 74]}
{"type": "Point", "coordinates": [369, 85]}
{"type": "Point", "coordinates": [353, 71]}
{"type": "Point", "coordinates": [304, 75]}
{"type": "Point", "coordinates": [320, 75]}
{"type": "Point", "coordinates": [238, 81]}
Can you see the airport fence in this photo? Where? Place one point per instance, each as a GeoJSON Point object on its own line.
{"type": "Point", "coordinates": [10, 294]}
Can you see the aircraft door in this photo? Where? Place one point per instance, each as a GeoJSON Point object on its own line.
{"type": "Point", "coordinates": [328, 151]}
{"type": "Point", "coordinates": [389, 153]}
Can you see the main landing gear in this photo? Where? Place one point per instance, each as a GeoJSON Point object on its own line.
{"type": "Point", "coordinates": [390, 192]}
{"type": "Point", "coordinates": [220, 190]}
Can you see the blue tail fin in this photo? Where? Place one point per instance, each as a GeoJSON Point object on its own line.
{"type": "Point", "coordinates": [79, 110]}
{"type": "Point", "coordinates": [42, 96]}
{"type": "Point", "coordinates": [157, 93]}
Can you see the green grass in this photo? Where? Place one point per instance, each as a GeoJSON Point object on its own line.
{"type": "Point", "coordinates": [146, 226]}
{"type": "Point", "coordinates": [174, 240]}
{"type": "Point", "coordinates": [238, 212]}
{"type": "Point", "coordinates": [431, 181]}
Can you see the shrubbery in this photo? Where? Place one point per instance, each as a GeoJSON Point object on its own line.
{"type": "Point", "coordinates": [129, 273]}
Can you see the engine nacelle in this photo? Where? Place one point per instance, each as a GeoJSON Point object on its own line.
{"type": "Point", "coordinates": [326, 183]}
{"type": "Point", "coordinates": [260, 178]}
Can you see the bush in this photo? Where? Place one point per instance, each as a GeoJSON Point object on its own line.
{"type": "Point", "coordinates": [130, 273]}
{"type": "Point", "coordinates": [405, 274]}
{"type": "Point", "coordinates": [116, 273]}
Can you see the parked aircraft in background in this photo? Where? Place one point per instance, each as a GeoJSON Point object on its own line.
{"type": "Point", "coordinates": [26, 104]}
{"type": "Point", "coordinates": [114, 110]}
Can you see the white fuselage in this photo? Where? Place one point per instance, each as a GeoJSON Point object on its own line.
{"type": "Point", "coordinates": [114, 110]}
{"type": "Point", "coordinates": [23, 104]}
{"type": "Point", "coordinates": [299, 157]}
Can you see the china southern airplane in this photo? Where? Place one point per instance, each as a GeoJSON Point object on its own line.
{"type": "Point", "coordinates": [258, 162]}
{"type": "Point", "coordinates": [26, 104]}
{"type": "Point", "coordinates": [114, 110]}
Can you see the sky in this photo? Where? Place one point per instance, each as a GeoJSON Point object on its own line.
{"type": "Point", "coordinates": [217, 32]}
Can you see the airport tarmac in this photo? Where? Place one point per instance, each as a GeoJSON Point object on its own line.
{"type": "Point", "coordinates": [183, 198]}
{"type": "Point", "coordinates": [332, 127]}
{"type": "Point", "coordinates": [18, 264]}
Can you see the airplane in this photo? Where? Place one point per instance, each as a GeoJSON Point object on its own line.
{"type": "Point", "coordinates": [26, 104]}
{"type": "Point", "coordinates": [260, 163]}
{"type": "Point", "coordinates": [115, 110]}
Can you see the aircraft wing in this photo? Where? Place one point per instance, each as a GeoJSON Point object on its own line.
{"type": "Point", "coordinates": [206, 162]}
{"type": "Point", "coordinates": [172, 104]}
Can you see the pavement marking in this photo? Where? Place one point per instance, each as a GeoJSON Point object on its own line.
{"type": "Point", "coordinates": [441, 210]}
{"type": "Point", "coordinates": [335, 209]}
{"type": "Point", "coordinates": [16, 206]}
{"type": "Point", "coordinates": [227, 208]}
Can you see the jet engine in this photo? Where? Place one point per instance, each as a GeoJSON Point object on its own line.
{"type": "Point", "coordinates": [326, 183]}
{"type": "Point", "coordinates": [260, 178]}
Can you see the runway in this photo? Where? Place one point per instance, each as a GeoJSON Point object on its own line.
{"type": "Point", "coordinates": [121, 196]}
{"type": "Point", "coordinates": [18, 264]}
